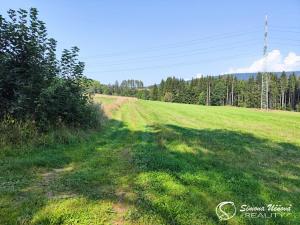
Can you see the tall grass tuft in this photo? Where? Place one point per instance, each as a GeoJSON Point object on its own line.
{"type": "Point", "coordinates": [16, 133]}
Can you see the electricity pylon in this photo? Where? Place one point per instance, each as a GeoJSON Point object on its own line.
{"type": "Point", "coordinates": [265, 76]}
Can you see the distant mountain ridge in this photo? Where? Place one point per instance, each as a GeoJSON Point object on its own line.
{"type": "Point", "coordinates": [246, 76]}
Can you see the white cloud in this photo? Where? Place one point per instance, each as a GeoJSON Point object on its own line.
{"type": "Point", "coordinates": [199, 75]}
{"type": "Point", "coordinates": [274, 63]}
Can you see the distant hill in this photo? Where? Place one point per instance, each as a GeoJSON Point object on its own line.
{"type": "Point", "coordinates": [245, 76]}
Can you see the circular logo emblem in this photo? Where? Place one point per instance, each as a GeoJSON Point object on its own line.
{"type": "Point", "coordinates": [225, 210]}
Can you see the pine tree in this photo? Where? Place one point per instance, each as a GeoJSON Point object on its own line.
{"type": "Point", "coordinates": [154, 93]}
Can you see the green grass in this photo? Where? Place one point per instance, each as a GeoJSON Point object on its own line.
{"type": "Point", "coordinates": [159, 163]}
{"type": "Point", "coordinates": [104, 99]}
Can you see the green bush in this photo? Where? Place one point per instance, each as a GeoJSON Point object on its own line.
{"type": "Point", "coordinates": [64, 103]}
{"type": "Point", "coordinates": [37, 87]}
{"type": "Point", "coordinates": [94, 116]}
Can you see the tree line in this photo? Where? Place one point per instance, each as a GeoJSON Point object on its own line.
{"type": "Point", "coordinates": [284, 91]}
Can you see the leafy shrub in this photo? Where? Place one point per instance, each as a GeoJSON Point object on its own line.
{"type": "Point", "coordinates": [63, 103]}
{"type": "Point", "coordinates": [38, 92]}
{"type": "Point", "coordinates": [94, 116]}
{"type": "Point", "coordinates": [35, 85]}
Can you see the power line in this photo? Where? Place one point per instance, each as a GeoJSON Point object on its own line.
{"type": "Point", "coordinates": [200, 51]}
{"type": "Point", "coordinates": [175, 45]}
{"type": "Point", "coordinates": [175, 64]}
{"type": "Point", "coordinates": [284, 27]}
{"type": "Point", "coordinates": [285, 39]}
{"type": "Point", "coordinates": [180, 54]}
{"type": "Point", "coordinates": [286, 30]}
{"type": "Point", "coordinates": [285, 43]}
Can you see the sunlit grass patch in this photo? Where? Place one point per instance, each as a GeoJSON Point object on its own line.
{"type": "Point", "coordinates": [75, 211]}
{"type": "Point", "coordinates": [104, 99]}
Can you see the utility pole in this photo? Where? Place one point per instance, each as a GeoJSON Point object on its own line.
{"type": "Point", "coordinates": [208, 91]}
{"type": "Point", "coordinates": [264, 76]}
{"type": "Point", "coordinates": [232, 90]}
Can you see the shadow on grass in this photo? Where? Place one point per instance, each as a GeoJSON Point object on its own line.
{"type": "Point", "coordinates": [164, 175]}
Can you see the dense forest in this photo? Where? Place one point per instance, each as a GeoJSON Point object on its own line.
{"type": "Point", "coordinates": [284, 91]}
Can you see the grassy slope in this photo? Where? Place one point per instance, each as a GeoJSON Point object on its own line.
{"type": "Point", "coordinates": [159, 163]}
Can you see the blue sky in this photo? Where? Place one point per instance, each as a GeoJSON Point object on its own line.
{"type": "Point", "coordinates": [150, 40]}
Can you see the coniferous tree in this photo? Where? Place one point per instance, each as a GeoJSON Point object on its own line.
{"type": "Point", "coordinates": [154, 93]}
{"type": "Point", "coordinates": [222, 90]}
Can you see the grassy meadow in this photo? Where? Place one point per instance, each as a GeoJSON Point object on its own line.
{"type": "Point", "coordinates": [158, 163]}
